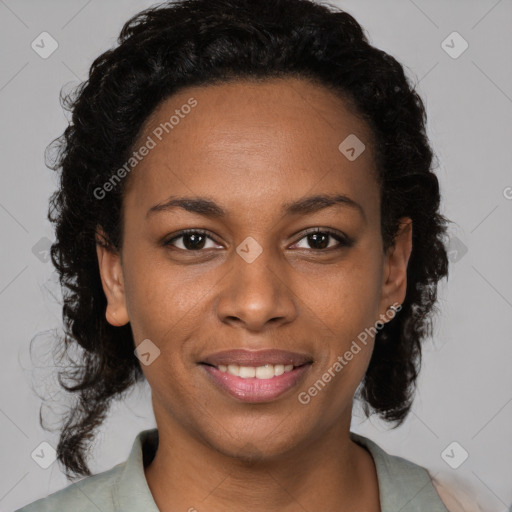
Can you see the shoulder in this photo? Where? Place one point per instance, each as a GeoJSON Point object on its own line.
{"type": "Point", "coordinates": [459, 496]}
{"type": "Point", "coordinates": [92, 493]}
{"type": "Point", "coordinates": [122, 487]}
{"type": "Point", "coordinates": [450, 493]}
{"type": "Point", "coordinates": [403, 484]}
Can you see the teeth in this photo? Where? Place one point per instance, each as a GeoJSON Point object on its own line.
{"type": "Point", "coordinates": [247, 372]}
{"type": "Point", "coordinates": [267, 371]}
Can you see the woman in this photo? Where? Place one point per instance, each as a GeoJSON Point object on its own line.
{"type": "Point", "coordinates": [247, 218]}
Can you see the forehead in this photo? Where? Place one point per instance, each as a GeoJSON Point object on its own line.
{"type": "Point", "coordinates": [256, 143]}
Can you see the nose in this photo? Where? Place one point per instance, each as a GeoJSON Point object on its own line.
{"type": "Point", "coordinates": [257, 294]}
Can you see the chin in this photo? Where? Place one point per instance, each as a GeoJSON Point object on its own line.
{"type": "Point", "coordinates": [267, 446]}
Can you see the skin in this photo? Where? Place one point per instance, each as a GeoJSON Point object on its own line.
{"type": "Point", "coordinates": [251, 147]}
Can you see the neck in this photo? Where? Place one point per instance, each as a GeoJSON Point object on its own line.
{"type": "Point", "coordinates": [330, 473]}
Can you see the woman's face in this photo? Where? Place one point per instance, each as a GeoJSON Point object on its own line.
{"type": "Point", "coordinates": [256, 279]}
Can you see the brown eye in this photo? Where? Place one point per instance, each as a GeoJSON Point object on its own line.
{"type": "Point", "coordinates": [320, 239]}
{"type": "Point", "coordinates": [193, 240]}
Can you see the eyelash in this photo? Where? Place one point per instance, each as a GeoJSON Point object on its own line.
{"type": "Point", "coordinates": [343, 241]}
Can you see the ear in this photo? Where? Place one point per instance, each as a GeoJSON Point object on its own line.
{"type": "Point", "coordinates": [111, 272]}
{"type": "Point", "coordinates": [395, 267]}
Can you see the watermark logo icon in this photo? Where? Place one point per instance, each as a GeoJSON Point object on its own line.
{"type": "Point", "coordinates": [456, 249]}
{"type": "Point", "coordinates": [41, 250]}
{"type": "Point", "coordinates": [44, 45]}
{"type": "Point", "coordinates": [454, 455]}
{"type": "Point", "coordinates": [44, 455]}
{"type": "Point", "coordinates": [249, 249]}
{"type": "Point", "coordinates": [454, 45]}
{"type": "Point", "coordinates": [351, 147]}
{"type": "Point", "coordinates": [147, 352]}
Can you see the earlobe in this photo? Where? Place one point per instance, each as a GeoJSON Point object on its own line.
{"type": "Point", "coordinates": [395, 268]}
{"type": "Point", "coordinates": [111, 273]}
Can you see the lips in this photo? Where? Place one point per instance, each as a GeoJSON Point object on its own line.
{"type": "Point", "coordinates": [257, 358]}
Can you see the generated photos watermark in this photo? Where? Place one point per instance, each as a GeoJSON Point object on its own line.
{"type": "Point", "coordinates": [144, 150]}
{"type": "Point", "coordinates": [304, 397]}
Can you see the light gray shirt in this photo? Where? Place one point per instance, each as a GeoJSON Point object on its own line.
{"type": "Point", "coordinates": [403, 485]}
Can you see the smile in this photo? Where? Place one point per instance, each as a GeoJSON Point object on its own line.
{"type": "Point", "coordinates": [256, 384]}
{"type": "Point", "coordinates": [267, 371]}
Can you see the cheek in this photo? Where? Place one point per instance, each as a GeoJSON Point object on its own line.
{"type": "Point", "coordinates": [168, 307]}
{"type": "Point", "coordinates": [344, 307]}
{"type": "Point", "coordinates": [343, 296]}
{"type": "Point", "coordinates": [158, 297]}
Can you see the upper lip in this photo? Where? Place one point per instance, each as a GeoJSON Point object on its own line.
{"type": "Point", "coordinates": [244, 357]}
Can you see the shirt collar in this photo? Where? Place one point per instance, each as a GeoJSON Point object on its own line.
{"type": "Point", "coordinates": [400, 481]}
{"type": "Point", "coordinates": [132, 492]}
{"type": "Point", "coordinates": [403, 485]}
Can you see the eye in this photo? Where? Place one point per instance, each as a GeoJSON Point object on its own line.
{"type": "Point", "coordinates": [193, 240]}
{"type": "Point", "coordinates": [319, 239]}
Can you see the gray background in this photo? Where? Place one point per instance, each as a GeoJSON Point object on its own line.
{"type": "Point", "coordinates": [465, 388]}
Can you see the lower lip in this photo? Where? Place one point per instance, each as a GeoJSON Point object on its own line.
{"type": "Point", "coordinates": [253, 389]}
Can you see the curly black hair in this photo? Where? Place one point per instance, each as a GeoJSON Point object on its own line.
{"type": "Point", "coordinates": [173, 45]}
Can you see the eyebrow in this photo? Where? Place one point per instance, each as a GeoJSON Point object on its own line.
{"type": "Point", "coordinates": [208, 208]}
